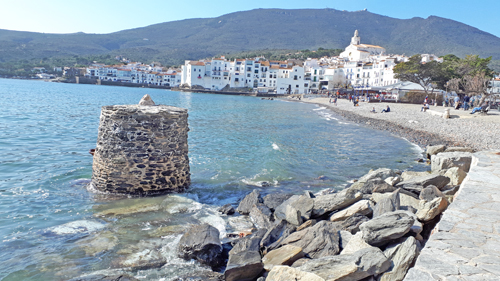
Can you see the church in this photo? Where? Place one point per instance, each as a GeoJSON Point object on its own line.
{"type": "Point", "coordinates": [359, 52]}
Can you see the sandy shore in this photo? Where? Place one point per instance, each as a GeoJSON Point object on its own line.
{"type": "Point", "coordinates": [477, 131]}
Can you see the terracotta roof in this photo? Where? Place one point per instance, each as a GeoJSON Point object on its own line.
{"type": "Point", "coordinates": [196, 63]}
{"type": "Point", "coordinates": [265, 63]}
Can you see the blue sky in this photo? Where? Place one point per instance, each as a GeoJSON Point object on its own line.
{"type": "Point", "coordinates": [105, 16]}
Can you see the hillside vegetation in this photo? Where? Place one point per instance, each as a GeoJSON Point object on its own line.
{"type": "Point", "coordinates": [263, 29]}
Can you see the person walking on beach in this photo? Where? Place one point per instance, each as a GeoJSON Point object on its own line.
{"type": "Point", "coordinates": [335, 100]}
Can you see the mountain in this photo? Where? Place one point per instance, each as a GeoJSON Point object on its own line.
{"type": "Point", "coordinates": [260, 29]}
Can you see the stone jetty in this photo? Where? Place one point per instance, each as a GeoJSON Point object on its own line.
{"type": "Point", "coordinates": [142, 149]}
{"type": "Point", "coordinates": [375, 229]}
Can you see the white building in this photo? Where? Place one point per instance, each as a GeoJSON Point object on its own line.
{"type": "Point", "coordinates": [357, 51]}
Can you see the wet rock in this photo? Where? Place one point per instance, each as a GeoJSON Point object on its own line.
{"type": "Point", "coordinates": [447, 160]}
{"type": "Point", "coordinates": [429, 210]}
{"type": "Point", "coordinates": [286, 273]}
{"type": "Point", "coordinates": [285, 255]}
{"type": "Point", "coordinates": [244, 262]}
{"type": "Point", "coordinates": [363, 207]}
{"type": "Point", "coordinates": [382, 173]}
{"type": "Point", "coordinates": [261, 216]}
{"type": "Point", "coordinates": [430, 192]}
{"type": "Point", "coordinates": [355, 244]}
{"type": "Point", "coordinates": [247, 203]}
{"type": "Point", "coordinates": [227, 209]}
{"type": "Point", "coordinates": [102, 277]}
{"type": "Point", "coordinates": [201, 276]}
{"type": "Point", "coordinates": [75, 227]}
{"type": "Point", "coordinates": [456, 175]}
{"type": "Point", "coordinates": [402, 256]}
{"type": "Point", "coordinates": [141, 259]}
{"type": "Point", "coordinates": [273, 237]}
{"type": "Point", "coordinates": [332, 202]}
{"type": "Point", "coordinates": [355, 266]}
{"type": "Point", "coordinates": [105, 241]}
{"type": "Point", "coordinates": [434, 149]}
{"type": "Point", "coordinates": [387, 227]}
{"type": "Point", "coordinates": [416, 185]}
{"type": "Point", "coordinates": [273, 200]}
{"type": "Point", "coordinates": [352, 223]}
{"type": "Point", "coordinates": [320, 240]}
{"type": "Point", "coordinates": [201, 242]}
{"type": "Point", "coordinates": [388, 204]}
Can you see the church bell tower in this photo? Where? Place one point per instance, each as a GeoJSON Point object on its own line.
{"type": "Point", "coordinates": [355, 40]}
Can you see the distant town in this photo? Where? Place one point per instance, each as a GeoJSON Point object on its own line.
{"type": "Point", "coordinates": [359, 67]}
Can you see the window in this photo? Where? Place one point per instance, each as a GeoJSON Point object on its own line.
{"type": "Point", "coordinates": [248, 75]}
{"type": "Point", "coordinates": [256, 71]}
{"type": "Point", "coordinates": [249, 69]}
{"type": "Point", "coordinates": [235, 79]}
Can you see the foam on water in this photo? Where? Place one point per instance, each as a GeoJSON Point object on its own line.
{"type": "Point", "coordinates": [275, 146]}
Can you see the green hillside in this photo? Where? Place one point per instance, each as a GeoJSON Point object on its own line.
{"type": "Point", "coordinates": [261, 29]}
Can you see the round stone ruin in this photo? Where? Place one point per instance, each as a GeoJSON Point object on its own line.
{"type": "Point", "coordinates": [142, 149]}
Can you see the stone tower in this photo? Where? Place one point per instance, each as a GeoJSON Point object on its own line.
{"type": "Point", "coordinates": [142, 149]}
{"type": "Point", "coordinates": [355, 40]}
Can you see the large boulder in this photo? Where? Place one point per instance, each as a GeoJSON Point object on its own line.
{"type": "Point", "coordinates": [402, 256]}
{"type": "Point", "coordinates": [387, 227]}
{"type": "Point", "coordinates": [388, 204]}
{"type": "Point", "coordinates": [456, 175]}
{"type": "Point", "coordinates": [261, 216]}
{"type": "Point", "coordinates": [244, 261]}
{"type": "Point", "coordinates": [355, 244]}
{"type": "Point", "coordinates": [247, 203]}
{"type": "Point", "coordinates": [227, 209]}
{"type": "Point", "coordinates": [416, 185]}
{"type": "Point", "coordinates": [408, 175]}
{"type": "Point", "coordinates": [434, 149]}
{"type": "Point", "coordinates": [285, 255]}
{"type": "Point", "coordinates": [301, 203]}
{"type": "Point", "coordinates": [382, 173]}
{"type": "Point", "coordinates": [316, 241]}
{"type": "Point", "coordinates": [459, 149]}
{"type": "Point", "coordinates": [201, 242]}
{"type": "Point", "coordinates": [273, 200]}
{"type": "Point", "coordinates": [355, 266]}
{"type": "Point", "coordinates": [332, 202]}
{"type": "Point", "coordinates": [352, 223]}
{"type": "Point", "coordinates": [293, 216]}
{"type": "Point", "coordinates": [363, 207]}
{"type": "Point", "coordinates": [446, 160]}
{"type": "Point", "coordinates": [286, 273]}
{"type": "Point", "coordinates": [274, 235]}
{"type": "Point", "coordinates": [429, 210]}
{"type": "Point", "coordinates": [429, 193]}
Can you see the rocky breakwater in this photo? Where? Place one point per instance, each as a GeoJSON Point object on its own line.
{"type": "Point", "coordinates": [142, 149]}
{"type": "Point", "coordinates": [372, 230]}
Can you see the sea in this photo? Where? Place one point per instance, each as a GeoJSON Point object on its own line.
{"type": "Point", "coordinates": [54, 227]}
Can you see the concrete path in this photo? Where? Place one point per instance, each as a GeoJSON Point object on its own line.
{"type": "Point", "coordinates": [466, 242]}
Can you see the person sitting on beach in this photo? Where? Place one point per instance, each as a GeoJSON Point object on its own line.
{"type": "Point", "coordinates": [425, 107]}
{"type": "Point", "coordinates": [479, 108]}
{"type": "Point", "coordinates": [373, 110]}
{"type": "Point", "coordinates": [388, 109]}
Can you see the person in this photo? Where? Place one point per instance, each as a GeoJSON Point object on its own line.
{"type": "Point", "coordinates": [388, 109]}
{"type": "Point", "coordinates": [466, 102]}
{"type": "Point", "coordinates": [425, 107]}
{"type": "Point", "coordinates": [426, 100]}
{"type": "Point", "coordinates": [373, 110]}
{"type": "Point", "coordinates": [335, 100]}
{"type": "Point", "coordinates": [456, 99]}
{"type": "Point", "coordinates": [479, 108]}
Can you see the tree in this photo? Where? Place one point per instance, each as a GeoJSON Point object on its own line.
{"type": "Point", "coordinates": [424, 74]}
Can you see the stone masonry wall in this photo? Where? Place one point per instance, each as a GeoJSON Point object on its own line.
{"type": "Point", "coordinates": [142, 150]}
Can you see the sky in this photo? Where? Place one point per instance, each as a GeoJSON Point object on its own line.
{"type": "Point", "coordinates": [106, 16]}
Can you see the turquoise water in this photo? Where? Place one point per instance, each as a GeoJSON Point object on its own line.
{"type": "Point", "coordinates": [53, 228]}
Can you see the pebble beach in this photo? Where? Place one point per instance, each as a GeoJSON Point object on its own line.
{"type": "Point", "coordinates": [477, 131]}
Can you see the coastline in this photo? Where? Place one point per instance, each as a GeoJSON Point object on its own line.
{"type": "Point", "coordinates": [478, 132]}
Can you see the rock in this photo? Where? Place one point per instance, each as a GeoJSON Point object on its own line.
{"type": "Point", "coordinates": [241, 223]}
{"type": "Point", "coordinates": [247, 203]}
{"type": "Point", "coordinates": [382, 173]}
{"type": "Point", "coordinates": [434, 149]}
{"type": "Point", "coordinates": [430, 192]}
{"type": "Point", "coordinates": [102, 277]}
{"type": "Point", "coordinates": [402, 256]}
{"type": "Point", "coordinates": [293, 215]}
{"type": "Point", "coordinates": [285, 255]}
{"type": "Point", "coordinates": [306, 224]}
{"type": "Point", "coordinates": [352, 224]}
{"type": "Point", "coordinates": [363, 207]}
{"type": "Point", "coordinates": [416, 185]}
{"type": "Point", "coordinates": [456, 175]}
{"type": "Point", "coordinates": [355, 244]}
{"type": "Point", "coordinates": [459, 149]}
{"type": "Point", "coordinates": [261, 216]}
{"type": "Point", "coordinates": [344, 238]}
{"type": "Point", "coordinates": [202, 275]}
{"type": "Point", "coordinates": [408, 202]}
{"type": "Point", "coordinates": [227, 209]}
{"type": "Point", "coordinates": [273, 237]}
{"type": "Point", "coordinates": [451, 190]}
{"type": "Point", "coordinates": [332, 202]}
{"type": "Point", "coordinates": [320, 240]}
{"type": "Point", "coordinates": [141, 259]}
{"type": "Point", "coordinates": [429, 210]}
{"type": "Point", "coordinates": [355, 266]}
{"type": "Point", "coordinates": [447, 160]}
{"type": "Point", "coordinates": [408, 175]}
{"type": "Point", "coordinates": [387, 227]}
{"type": "Point", "coordinates": [273, 200]}
{"type": "Point", "coordinates": [392, 181]}
{"type": "Point", "coordinates": [286, 273]}
{"type": "Point", "coordinates": [376, 185]}
{"type": "Point", "coordinates": [280, 211]}
{"type": "Point", "coordinates": [304, 205]}
{"type": "Point", "coordinates": [244, 260]}
{"type": "Point", "coordinates": [388, 204]}
{"type": "Point", "coordinates": [146, 100]}
{"type": "Point", "coordinates": [201, 242]}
